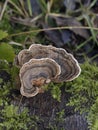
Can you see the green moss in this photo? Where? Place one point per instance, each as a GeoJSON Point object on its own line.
{"type": "Point", "coordinates": [12, 119]}
{"type": "Point", "coordinates": [93, 116]}
{"type": "Point", "coordinates": [55, 90]}
{"type": "Point", "coordinates": [84, 89]}
{"type": "Point", "coordinates": [84, 92]}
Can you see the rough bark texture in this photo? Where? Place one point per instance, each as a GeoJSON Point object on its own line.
{"type": "Point", "coordinates": [44, 106]}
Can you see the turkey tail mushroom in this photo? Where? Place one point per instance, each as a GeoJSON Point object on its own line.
{"type": "Point", "coordinates": [36, 73]}
{"type": "Point", "coordinates": [42, 64]}
{"type": "Point", "coordinates": [70, 68]}
{"type": "Point", "coordinates": [23, 57]}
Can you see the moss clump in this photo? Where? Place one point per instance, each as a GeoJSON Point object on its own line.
{"type": "Point", "coordinates": [84, 92]}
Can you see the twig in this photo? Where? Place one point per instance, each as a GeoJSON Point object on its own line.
{"type": "Point", "coordinates": [4, 7]}
{"type": "Point", "coordinates": [54, 28]}
{"type": "Point", "coordinates": [20, 103]}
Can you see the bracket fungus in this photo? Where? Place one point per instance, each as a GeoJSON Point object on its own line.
{"type": "Point", "coordinates": [42, 64]}
{"type": "Point", "coordinates": [37, 72]}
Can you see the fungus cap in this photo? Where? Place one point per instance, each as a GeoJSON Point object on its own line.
{"type": "Point", "coordinates": [23, 57]}
{"type": "Point", "coordinates": [70, 68]}
{"type": "Point", "coordinates": [36, 73]}
{"type": "Point", "coordinates": [42, 64]}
